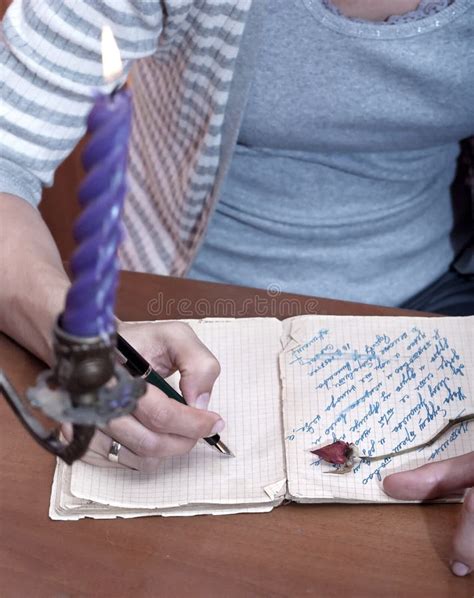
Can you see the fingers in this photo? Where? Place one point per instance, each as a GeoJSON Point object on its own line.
{"type": "Point", "coordinates": [98, 455]}
{"type": "Point", "coordinates": [141, 441]}
{"type": "Point", "coordinates": [140, 449]}
{"type": "Point", "coordinates": [462, 562]}
{"type": "Point", "coordinates": [434, 480]}
{"type": "Point", "coordinates": [161, 414]}
{"type": "Point", "coordinates": [161, 428]}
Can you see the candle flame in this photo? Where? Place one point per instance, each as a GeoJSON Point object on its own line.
{"type": "Point", "coordinates": [111, 62]}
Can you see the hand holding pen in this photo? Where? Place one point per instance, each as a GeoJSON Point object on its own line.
{"type": "Point", "coordinates": [137, 365]}
{"type": "Point", "coordinates": [161, 427]}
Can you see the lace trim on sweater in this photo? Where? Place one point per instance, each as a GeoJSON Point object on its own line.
{"type": "Point", "coordinates": [425, 8]}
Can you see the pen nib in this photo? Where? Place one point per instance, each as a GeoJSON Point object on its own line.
{"type": "Point", "coordinates": [222, 448]}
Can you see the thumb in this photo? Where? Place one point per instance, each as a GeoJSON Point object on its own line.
{"type": "Point", "coordinates": [433, 480]}
{"type": "Point", "coordinates": [197, 380]}
{"type": "Point", "coordinates": [436, 480]}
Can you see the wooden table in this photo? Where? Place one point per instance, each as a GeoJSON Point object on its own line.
{"type": "Point", "coordinates": [297, 550]}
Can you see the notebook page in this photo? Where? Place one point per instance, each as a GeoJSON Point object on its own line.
{"type": "Point", "coordinates": [66, 507]}
{"type": "Point", "coordinates": [247, 395]}
{"type": "Point", "coordinates": [382, 383]}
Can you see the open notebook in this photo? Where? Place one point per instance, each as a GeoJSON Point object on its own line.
{"type": "Point", "coordinates": [384, 383]}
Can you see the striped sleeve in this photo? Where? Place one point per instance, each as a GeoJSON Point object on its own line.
{"type": "Point", "coordinates": [50, 67]}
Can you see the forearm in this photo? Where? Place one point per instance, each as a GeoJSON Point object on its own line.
{"type": "Point", "coordinates": [50, 59]}
{"type": "Point", "coordinates": [33, 282]}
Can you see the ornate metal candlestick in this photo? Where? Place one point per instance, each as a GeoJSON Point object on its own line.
{"type": "Point", "coordinates": [86, 386]}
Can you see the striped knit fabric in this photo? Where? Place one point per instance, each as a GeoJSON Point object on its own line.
{"type": "Point", "coordinates": [51, 63]}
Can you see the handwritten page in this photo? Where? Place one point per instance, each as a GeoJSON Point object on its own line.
{"type": "Point", "coordinates": [384, 384]}
{"type": "Point", "coordinates": [247, 395]}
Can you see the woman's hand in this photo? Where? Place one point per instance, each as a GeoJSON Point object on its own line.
{"type": "Point", "coordinates": [437, 480]}
{"type": "Point", "coordinates": [160, 427]}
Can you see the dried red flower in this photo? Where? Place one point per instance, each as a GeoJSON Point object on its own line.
{"type": "Point", "coordinates": [346, 453]}
{"type": "Point", "coordinates": [337, 453]}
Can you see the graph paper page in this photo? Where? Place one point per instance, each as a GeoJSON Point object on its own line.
{"type": "Point", "coordinates": [382, 383]}
{"type": "Point", "coordinates": [247, 395]}
{"type": "Point", "coordinates": [66, 507]}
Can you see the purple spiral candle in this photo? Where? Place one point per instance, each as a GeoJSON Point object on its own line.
{"type": "Point", "coordinates": [90, 302]}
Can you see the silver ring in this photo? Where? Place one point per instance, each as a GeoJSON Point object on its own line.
{"type": "Point", "coordinates": [114, 452]}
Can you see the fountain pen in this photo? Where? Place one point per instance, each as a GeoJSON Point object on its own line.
{"type": "Point", "coordinates": [138, 366]}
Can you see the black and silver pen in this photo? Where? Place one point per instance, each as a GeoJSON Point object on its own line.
{"type": "Point", "coordinates": [137, 365]}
